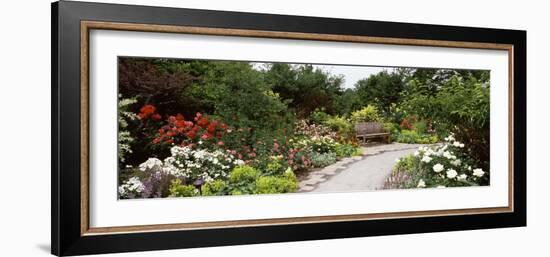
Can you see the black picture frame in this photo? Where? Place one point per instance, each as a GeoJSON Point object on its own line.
{"type": "Point", "coordinates": [66, 237]}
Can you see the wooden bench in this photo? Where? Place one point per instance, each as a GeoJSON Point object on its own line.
{"type": "Point", "coordinates": [370, 130]}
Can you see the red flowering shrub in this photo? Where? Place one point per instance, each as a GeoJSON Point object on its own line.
{"type": "Point", "coordinates": [314, 130]}
{"type": "Point", "coordinates": [156, 117]}
{"type": "Point", "coordinates": [183, 132]}
{"type": "Point", "coordinates": [202, 122]}
{"type": "Point", "coordinates": [299, 158]}
{"type": "Point", "coordinates": [147, 111]}
{"type": "Point", "coordinates": [406, 124]}
{"type": "Point", "coordinates": [208, 133]}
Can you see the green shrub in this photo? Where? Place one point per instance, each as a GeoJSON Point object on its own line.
{"type": "Point", "coordinates": [340, 125]}
{"type": "Point", "coordinates": [345, 150]}
{"type": "Point", "coordinates": [125, 138]}
{"type": "Point", "coordinates": [421, 127]}
{"type": "Point", "coordinates": [445, 165]}
{"type": "Point", "coordinates": [248, 180]}
{"type": "Point", "coordinates": [322, 159]}
{"type": "Point", "coordinates": [242, 180]}
{"type": "Point", "coordinates": [428, 139]}
{"type": "Point", "coordinates": [289, 174]}
{"type": "Point", "coordinates": [358, 151]}
{"type": "Point", "coordinates": [274, 167]}
{"type": "Point", "coordinates": [177, 189]}
{"type": "Point", "coordinates": [408, 136]}
{"type": "Point", "coordinates": [458, 102]}
{"type": "Point", "coordinates": [412, 137]}
{"type": "Point", "coordinates": [318, 116]}
{"type": "Point", "coordinates": [216, 187]}
{"type": "Point", "coordinates": [393, 129]}
{"type": "Point", "coordinates": [243, 173]}
{"type": "Point", "coordinates": [322, 144]}
{"type": "Point", "coordinates": [367, 114]}
{"type": "Point", "coordinates": [275, 185]}
{"type": "Point", "coordinates": [406, 163]}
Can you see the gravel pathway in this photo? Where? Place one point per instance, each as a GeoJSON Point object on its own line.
{"type": "Point", "coordinates": [360, 173]}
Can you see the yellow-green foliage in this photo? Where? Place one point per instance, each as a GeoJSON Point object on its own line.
{"type": "Point", "coordinates": [339, 124]}
{"type": "Point", "coordinates": [367, 114]}
{"type": "Point", "coordinates": [275, 185]}
{"type": "Point", "coordinates": [274, 167]}
{"type": "Point", "coordinates": [177, 189]}
{"type": "Point", "coordinates": [242, 180]}
{"type": "Point", "coordinates": [289, 174]}
{"type": "Point", "coordinates": [406, 164]}
{"type": "Point", "coordinates": [243, 173]}
{"type": "Point", "coordinates": [358, 151]}
{"type": "Point", "coordinates": [346, 150]}
{"type": "Point", "coordinates": [216, 187]}
{"type": "Point", "coordinates": [412, 137]}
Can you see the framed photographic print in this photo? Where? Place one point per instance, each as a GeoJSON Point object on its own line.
{"type": "Point", "coordinates": [177, 128]}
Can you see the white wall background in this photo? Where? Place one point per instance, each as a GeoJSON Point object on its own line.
{"type": "Point", "coordinates": [25, 127]}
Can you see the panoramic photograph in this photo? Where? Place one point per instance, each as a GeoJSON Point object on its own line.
{"type": "Point", "coordinates": [193, 128]}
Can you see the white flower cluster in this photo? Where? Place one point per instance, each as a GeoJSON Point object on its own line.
{"type": "Point", "coordinates": [451, 173]}
{"type": "Point", "coordinates": [479, 173]}
{"type": "Point", "coordinates": [438, 168]}
{"type": "Point", "coordinates": [314, 141]}
{"type": "Point", "coordinates": [421, 184]}
{"type": "Point", "coordinates": [450, 138]}
{"type": "Point", "coordinates": [132, 185]}
{"type": "Point", "coordinates": [193, 163]}
{"type": "Point", "coordinates": [184, 162]}
{"type": "Point", "coordinates": [151, 164]}
{"type": "Point", "coordinates": [443, 161]}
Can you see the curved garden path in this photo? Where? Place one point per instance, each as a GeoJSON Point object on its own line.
{"type": "Point", "coordinates": [360, 173]}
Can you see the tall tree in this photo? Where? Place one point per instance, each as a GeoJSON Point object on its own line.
{"type": "Point", "coordinates": [381, 90]}
{"type": "Point", "coordinates": [348, 102]}
{"type": "Point", "coordinates": [305, 87]}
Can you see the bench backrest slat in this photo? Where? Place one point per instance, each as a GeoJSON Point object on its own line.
{"type": "Point", "coordinates": [369, 128]}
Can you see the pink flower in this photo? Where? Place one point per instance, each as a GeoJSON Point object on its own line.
{"type": "Point", "coordinates": [206, 136]}
{"type": "Point", "coordinates": [198, 116]}
{"type": "Point", "coordinates": [156, 117]}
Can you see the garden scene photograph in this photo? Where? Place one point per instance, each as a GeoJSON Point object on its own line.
{"type": "Point", "coordinates": [192, 128]}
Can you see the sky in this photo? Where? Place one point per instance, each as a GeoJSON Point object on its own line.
{"type": "Point", "coordinates": [351, 74]}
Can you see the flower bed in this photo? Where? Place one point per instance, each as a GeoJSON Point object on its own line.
{"type": "Point", "coordinates": [444, 165]}
{"type": "Point", "coordinates": [208, 157]}
{"type": "Point", "coordinates": [189, 172]}
{"type": "Point", "coordinates": [199, 127]}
